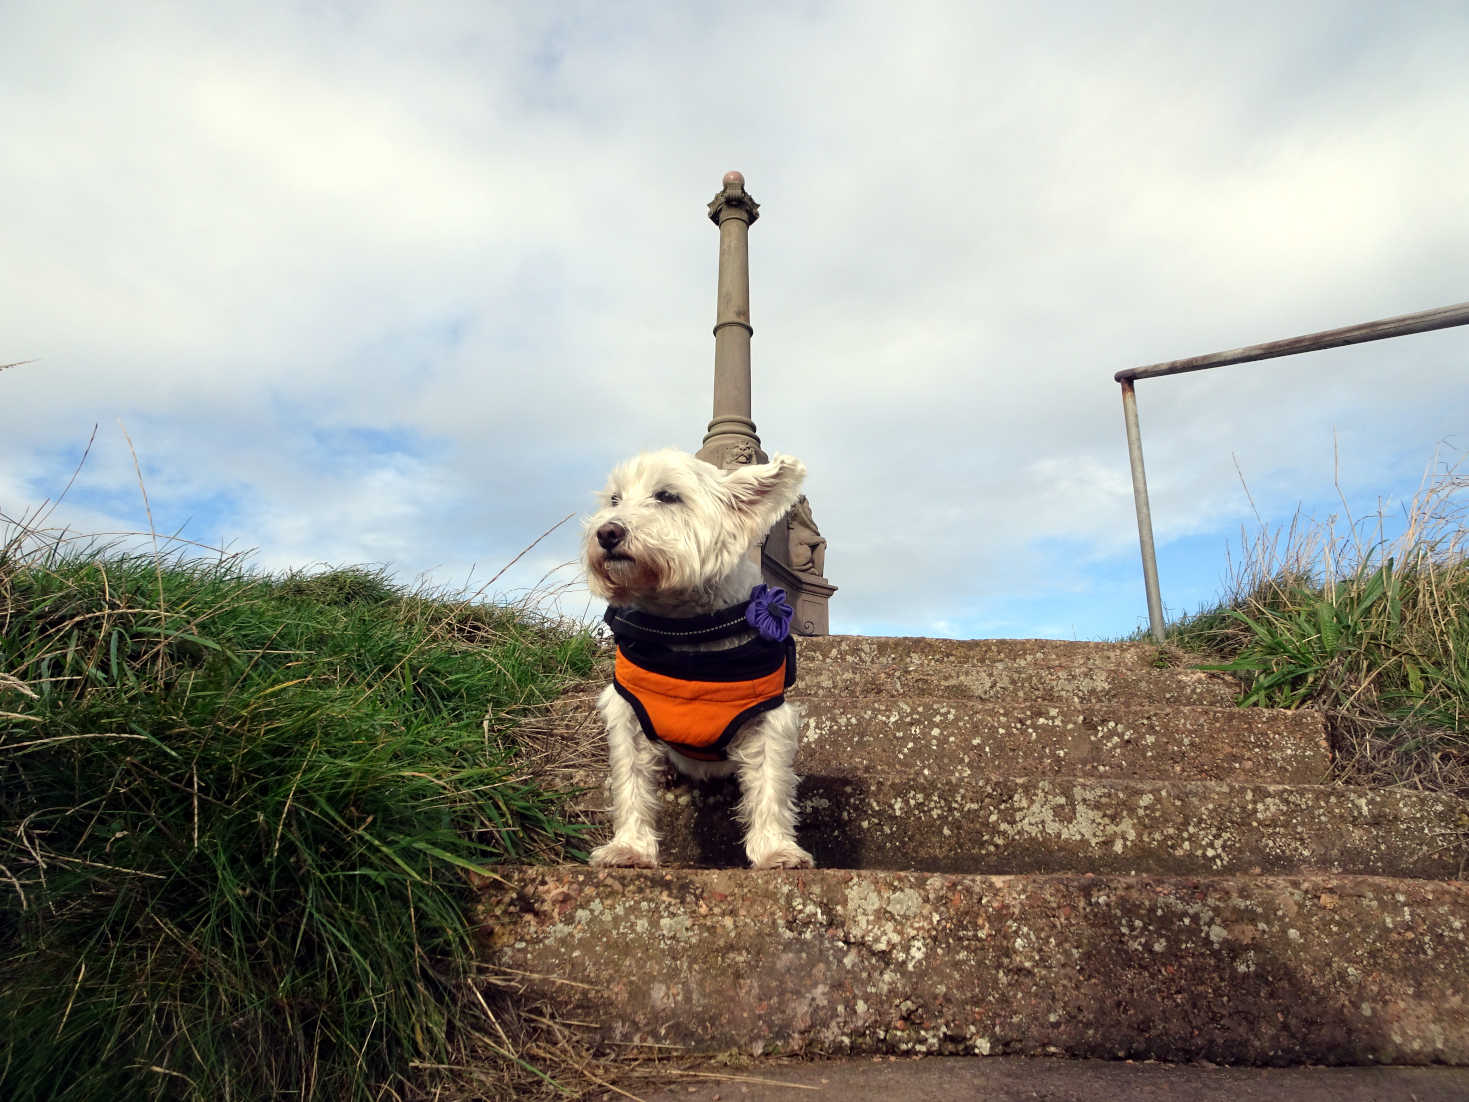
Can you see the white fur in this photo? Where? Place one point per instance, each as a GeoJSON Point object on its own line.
{"type": "Point", "coordinates": [686, 557]}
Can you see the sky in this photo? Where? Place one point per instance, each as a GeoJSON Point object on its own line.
{"type": "Point", "coordinates": [398, 284]}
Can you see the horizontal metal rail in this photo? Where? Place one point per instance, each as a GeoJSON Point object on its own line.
{"type": "Point", "coordinates": [1445, 317]}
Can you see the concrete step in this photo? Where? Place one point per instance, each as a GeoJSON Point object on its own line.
{"type": "Point", "coordinates": [1259, 970]}
{"type": "Point", "coordinates": [1010, 681]}
{"type": "Point", "coordinates": [999, 669]}
{"type": "Point", "coordinates": [860, 736]}
{"type": "Point", "coordinates": [905, 650]}
{"type": "Point", "coordinates": [991, 669]}
{"type": "Point", "coordinates": [932, 821]}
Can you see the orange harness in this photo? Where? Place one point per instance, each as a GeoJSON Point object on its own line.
{"type": "Point", "coordinates": [696, 701]}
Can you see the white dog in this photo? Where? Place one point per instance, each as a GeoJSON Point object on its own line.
{"type": "Point", "coordinates": [704, 652]}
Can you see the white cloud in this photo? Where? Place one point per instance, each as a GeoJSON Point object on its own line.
{"type": "Point", "coordinates": [479, 229]}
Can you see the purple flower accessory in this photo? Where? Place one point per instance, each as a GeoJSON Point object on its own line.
{"type": "Point", "coordinates": [769, 614]}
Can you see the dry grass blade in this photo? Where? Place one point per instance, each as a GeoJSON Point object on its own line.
{"type": "Point", "coordinates": [16, 684]}
{"type": "Point", "coordinates": [153, 534]}
{"type": "Point", "coordinates": [728, 1077]}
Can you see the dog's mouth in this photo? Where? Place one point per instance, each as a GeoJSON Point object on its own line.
{"type": "Point", "coordinates": [616, 556]}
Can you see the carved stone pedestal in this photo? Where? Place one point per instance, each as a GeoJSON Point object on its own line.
{"type": "Point", "coordinates": [793, 557]}
{"type": "Point", "coordinates": [807, 593]}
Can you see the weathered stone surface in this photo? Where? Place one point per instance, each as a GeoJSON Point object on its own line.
{"type": "Point", "coordinates": [907, 651]}
{"type": "Point", "coordinates": [1257, 970]}
{"type": "Point", "coordinates": [1015, 682]}
{"type": "Point", "coordinates": [1070, 767]}
{"type": "Point", "coordinates": [1024, 671]}
{"type": "Point", "coordinates": [1003, 825]}
{"type": "Point", "coordinates": [1019, 670]}
{"type": "Point", "coordinates": [862, 735]}
{"type": "Point", "coordinates": [964, 738]}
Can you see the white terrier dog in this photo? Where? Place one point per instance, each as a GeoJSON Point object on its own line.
{"type": "Point", "coordinates": [703, 648]}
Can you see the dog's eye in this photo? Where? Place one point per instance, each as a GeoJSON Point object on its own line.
{"type": "Point", "coordinates": [667, 497]}
{"type": "Point", "coordinates": [615, 499]}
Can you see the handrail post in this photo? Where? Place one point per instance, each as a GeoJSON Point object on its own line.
{"type": "Point", "coordinates": [1144, 514]}
{"type": "Point", "coordinates": [1444, 317]}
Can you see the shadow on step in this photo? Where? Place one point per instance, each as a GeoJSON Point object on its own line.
{"type": "Point", "coordinates": [1000, 825]}
{"type": "Point", "coordinates": [700, 826]}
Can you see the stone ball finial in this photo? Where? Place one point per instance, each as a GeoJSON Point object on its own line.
{"type": "Point", "coordinates": [732, 200]}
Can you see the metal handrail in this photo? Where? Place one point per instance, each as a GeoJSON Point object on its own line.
{"type": "Point", "coordinates": [1445, 317]}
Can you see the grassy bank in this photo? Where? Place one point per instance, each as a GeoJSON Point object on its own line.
{"type": "Point", "coordinates": [1371, 629]}
{"type": "Point", "coordinates": [236, 816]}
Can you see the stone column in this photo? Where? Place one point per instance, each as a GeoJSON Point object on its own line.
{"type": "Point", "coordinates": [731, 437]}
{"type": "Point", "coordinates": [792, 554]}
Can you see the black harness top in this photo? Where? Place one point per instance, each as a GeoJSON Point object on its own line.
{"type": "Point", "coordinates": [695, 701]}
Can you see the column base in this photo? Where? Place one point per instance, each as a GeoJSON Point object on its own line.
{"type": "Point", "coordinates": [731, 442]}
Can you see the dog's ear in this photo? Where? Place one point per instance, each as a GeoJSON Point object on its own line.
{"type": "Point", "coordinates": [765, 492]}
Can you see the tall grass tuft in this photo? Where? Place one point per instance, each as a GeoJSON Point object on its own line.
{"type": "Point", "coordinates": [237, 817]}
{"type": "Point", "coordinates": [1372, 629]}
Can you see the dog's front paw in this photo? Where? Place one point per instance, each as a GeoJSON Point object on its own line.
{"type": "Point", "coordinates": [623, 855]}
{"type": "Point", "coordinates": [785, 856]}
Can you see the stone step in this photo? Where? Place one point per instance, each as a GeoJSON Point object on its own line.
{"type": "Point", "coordinates": [860, 736]}
{"type": "Point", "coordinates": [1259, 970]}
{"type": "Point", "coordinates": [931, 821]}
{"type": "Point", "coordinates": [856, 734]}
{"type": "Point", "coordinates": [1012, 682]}
{"type": "Point", "coordinates": [909, 650]}
{"type": "Point", "coordinates": [997, 669]}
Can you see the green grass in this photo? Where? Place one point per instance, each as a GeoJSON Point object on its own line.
{"type": "Point", "coordinates": [1373, 631]}
{"type": "Point", "coordinates": [238, 816]}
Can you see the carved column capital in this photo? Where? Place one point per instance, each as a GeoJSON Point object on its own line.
{"type": "Point", "coordinates": [733, 201]}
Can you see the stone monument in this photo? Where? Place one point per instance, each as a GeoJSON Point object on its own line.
{"type": "Point", "coordinates": [793, 554]}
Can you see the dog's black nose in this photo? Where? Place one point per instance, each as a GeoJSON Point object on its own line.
{"type": "Point", "coordinates": [610, 535]}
